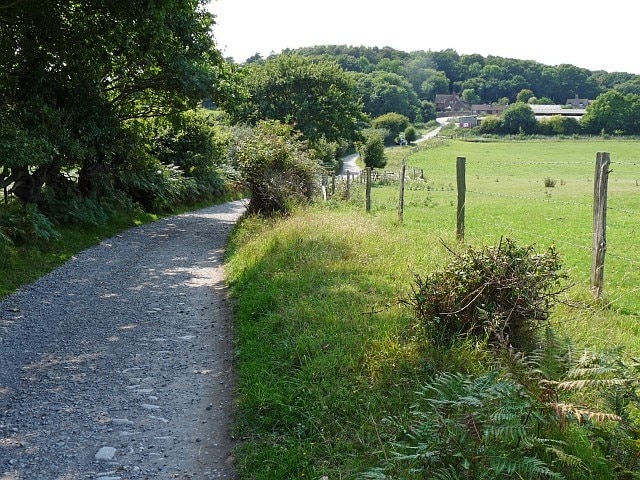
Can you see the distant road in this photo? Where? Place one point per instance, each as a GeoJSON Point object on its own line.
{"type": "Point", "coordinates": [349, 162]}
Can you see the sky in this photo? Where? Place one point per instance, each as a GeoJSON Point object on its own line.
{"type": "Point", "coordinates": [599, 36]}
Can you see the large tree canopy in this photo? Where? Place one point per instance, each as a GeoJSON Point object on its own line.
{"type": "Point", "coordinates": [384, 92]}
{"type": "Point", "coordinates": [613, 112]}
{"type": "Point", "coordinates": [73, 74]}
{"type": "Point", "coordinates": [315, 96]}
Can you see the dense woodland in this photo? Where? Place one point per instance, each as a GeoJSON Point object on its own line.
{"type": "Point", "coordinates": [389, 78]}
{"type": "Point", "coordinates": [101, 105]}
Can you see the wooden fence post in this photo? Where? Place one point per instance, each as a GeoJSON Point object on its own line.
{"type": "Point", "coordinates": [325, 181]}
{"type": "Point", "coordinates": [368, 188]}
{"type": "Point", "coordinates": [401, 202]}
{"type": "Point", "coordinates": [601, 182]}
{"type": "Point", "coordinates": [333, 184]}
{"type": "Point", "coordinates": [462, 192]}
{"type": "Point", "coordinates": [346, 192]}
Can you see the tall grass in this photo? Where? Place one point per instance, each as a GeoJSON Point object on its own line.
{"type": "Point", "coordinates": [324, 351]}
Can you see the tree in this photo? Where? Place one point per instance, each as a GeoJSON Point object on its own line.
{"type": "Point", "coordinates": [434, 83]}
{"type": "Point", "coordinates": [383, 92]}
{"type": "Point", "coordinates": [196, 142]}
{"type": "Point", "coordinates": [410, 134]}
{"type": "Point", "coordinates": [315, 96]}
{"type": "Point", "coordinates": [428, 110]}
{"type": "Point", "coordinates": [470, 95]}
{"type": "Point", "coordinates": [394, 123]}
{"type": "Point", "coordinates": [491, 125]}
{"type": "Point", "coordinates": [372, 149]}
{"type": "Point", "coordinates": [567, 81]}
{"type": "Point", "coordinates": [524, 95]}
{"type": "Point", "coordinates": [76, 75]}
{"type": "Point", "coordinates": [611, 112]}
{"type": "Point", "coordinates": [417, 68]}
{"type": "Point", "coordinates": [447, 61]}
{"type": "Point", "coordinates": [630, 86]}
{"type": "Point", "coordinates": [519, 118]}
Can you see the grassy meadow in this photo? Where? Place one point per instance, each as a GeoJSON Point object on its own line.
{"type": "Point", "coordinates": [507, 196]}
{"type": "Point", "coordinates": [326, 351]}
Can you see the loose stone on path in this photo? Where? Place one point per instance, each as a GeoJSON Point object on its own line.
{"type": "Point", "coordinates": [105, 453]}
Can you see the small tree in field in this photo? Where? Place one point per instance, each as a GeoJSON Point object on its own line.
{"type": "Point", "coordinates": [393, 122]}
{"type": "Point", "coordinates": [410, 134]}
{"type": "Point", "coordinates": [519, 117]}
{"type": "Point", "coordinates": [372, 149]}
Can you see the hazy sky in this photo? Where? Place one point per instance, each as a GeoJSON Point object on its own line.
{"type": "Point", "coordinates": [547, 31]}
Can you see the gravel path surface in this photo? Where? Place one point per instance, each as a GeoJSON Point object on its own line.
{"type": "Point", "coordinates": [118, 364]}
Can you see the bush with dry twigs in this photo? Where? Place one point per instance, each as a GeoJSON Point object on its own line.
{"type": "Point", "coordinates": [503, 293]}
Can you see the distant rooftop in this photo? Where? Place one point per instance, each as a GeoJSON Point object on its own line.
{"type": "Point", "coordinates": [547, 110]}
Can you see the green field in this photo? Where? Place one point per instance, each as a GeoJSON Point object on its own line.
{"type": "Point", "coordinates": [506, 196]}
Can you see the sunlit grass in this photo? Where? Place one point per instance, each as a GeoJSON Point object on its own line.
{"type": "Point", "coordinates": [321, 340]}
{"type": "Point", "coordinates": [506, 196]}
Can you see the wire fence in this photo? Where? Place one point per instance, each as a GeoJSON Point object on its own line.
{"type": "Point", "coordinates": [622, 206]}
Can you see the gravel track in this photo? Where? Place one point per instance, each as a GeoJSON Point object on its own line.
{"type": "Point", "coordinates": [118, 365]}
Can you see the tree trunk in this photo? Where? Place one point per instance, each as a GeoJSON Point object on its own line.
{"type": "Point", "coordinates": [28, 186]}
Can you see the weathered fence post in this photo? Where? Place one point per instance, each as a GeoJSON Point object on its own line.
{"type": "Point", "coordinates": [333, 184]}
{"type": "Point", "coordinates": [368, 188]}
{"type": "Point", "coordinates": [325, 181]}
{"type": "Point", "coordinates": [601, 182]}
{"type": "Point", "coordinates": [346, 191]}
{"type": "Point", "coordinates": [401, 202]}
{"type": "Point", "coordinates": [462, 192]}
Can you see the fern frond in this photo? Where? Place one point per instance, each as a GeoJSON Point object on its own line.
{"type": "Point", "coordinates": [596, 371]}
{"type": "Point", "coordinates": [565, 410]}
{"type": "Point", "coordinates": [529, 468]}
{"type": "Point", "coordinates": [567, 459]}
{"type": "Point", "coordinates": [446, 474]}
{"type": "Point", "coordinates": [505, 433]}
{"type": "Point", "coordinates": [577, 385]}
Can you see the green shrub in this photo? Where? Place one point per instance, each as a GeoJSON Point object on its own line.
{"type": "Point", "coordinates": [195, 141]}
{"type": "Point", "coordinates": [25, 224]}
{"type": "Point", "coordinates": [371, 150]}
{"type": "Point", "coordinates": [395, 123]}
{"type": "Point", "coordinates": [501, 293]}
{"type": "Point", "coordinates": [159, 188]}
{"type": "Point", "coordinates": [491, 125]}
{"type": "Point", "coordinates": [410, 134]}
{"type": "Point", "coordinates": [278, 169]}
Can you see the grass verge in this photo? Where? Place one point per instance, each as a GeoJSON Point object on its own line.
{"type": "Point", "coordinates": [324, 351]}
